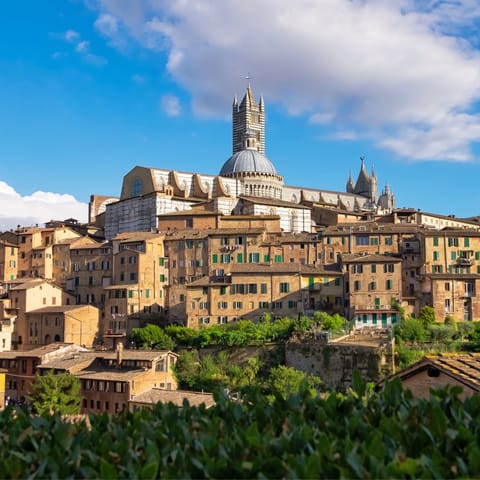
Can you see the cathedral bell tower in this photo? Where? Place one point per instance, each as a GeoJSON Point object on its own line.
{"type": "Point", "coordinates": [249, 117]}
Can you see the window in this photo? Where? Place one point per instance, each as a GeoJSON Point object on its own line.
{"type": "Point", "coordinates": [162, 277]}
{"type": "Point", "coordinates": [284, 287]}
{"type": "Point", "coordinates": [388, 268]}
{"type": "Point", "coordinates": [278, 258]}
{"type": "Point", "coordinates": [277, 305]}
{"type": "Point", "coordinates": [388, 241]}
{"type": "Point", "coordinates": [254, 258]}
{"type": "Point", "coordinates": [374, 241]}
{"type": "Point", "coordinates": [223, 290]}
{"type": "Point", "coordinates": [453, 255]}
{"type": "Point", "coordinates": [189, 223]}
{"type": "Point", "coordinates": [435, 241]}
{"type": "Point", "coordinates": [266, 258]}
{"type": "Point", "coordinates": [225, 258]}
{"type": "Point", "coordinates": [239, 257]}
{"type": "Point", "coordinates": [361, 240]}
{"type": "Point", "coordinates": [132, 259]}
{"type": "Point", "coordinates": [357, 268]}
{"type": "Point", "coordinates": [389, 284]}
{"type": "Point", "coordinates": [204, 305]}
{"type": "Point", "coordinates": [222, 319]}
{"type": "Point", "coordinates": [122, 260]}
{"type": "Point", "coordinates": [133, 276]}
{"type": "Point", "coordinates": [214, 258]}
{"type": "Point", "coordinates": [263, 288]}
{"type": "Point", "coordinates": [373, 268]}
{"type": "Point", "coordinates": [437, 268]}
{"type": "Point", "coordinates": [136, 187]}
{"type": "Point", "coordinates": [292, 304]}
{"type": "Point", "coordinates": [453, 241]}
{"type": "Point", "coordinates": [466, 242]}
{"type": "Point", "coordinates": [222, 305]}
{"type": "Point", "coordinates": [447, 305]}
{"type": "Point", "coordinates": [237, 305]}
{"type": "Point", "coordinates": [356, 285]}
{"type": "Point", "coordinates": [204, 320]}
{"type": "Point", "coordinates": [252, 288]}
{"type": "Point", "coordinates": [372, 286]}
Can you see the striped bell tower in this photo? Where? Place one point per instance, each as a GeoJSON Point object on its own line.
{"type": "Point", "coordinates": [248, 118]}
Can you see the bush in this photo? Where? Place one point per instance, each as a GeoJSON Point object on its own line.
{"type": "Point", "coordinates": [384, 435]}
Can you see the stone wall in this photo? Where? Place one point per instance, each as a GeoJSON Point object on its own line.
{"type": "Point", "coordinates": [335, 362]}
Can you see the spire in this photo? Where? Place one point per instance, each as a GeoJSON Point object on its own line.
{"type": "Point", "coordinates": [235, 101]}
{"type": "Point", "coordinates": [350, 186]}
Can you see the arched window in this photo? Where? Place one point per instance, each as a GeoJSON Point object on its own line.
{"type": "Point", "coordinates": [57, 338]}
{"type": "Point", "coordinates": [47, 339]}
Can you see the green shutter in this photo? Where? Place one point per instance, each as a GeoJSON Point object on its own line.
{"type": "Point", "coordinates": [435, 241]}
{"type": "Point", "coordinates": [239, 257]}
{"type": "Point", "coordinates": [215, 258]}
{"type": "Point", "coordinates": [453, 255]}
{"type": "Point", "coordinates": [466, 242]}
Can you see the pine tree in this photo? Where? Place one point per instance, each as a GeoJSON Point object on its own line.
{"type": "Point", "coordinates": [52, 393]}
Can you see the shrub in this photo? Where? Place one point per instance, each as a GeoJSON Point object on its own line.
{"type": "Point", "coordinates": [379, 435]}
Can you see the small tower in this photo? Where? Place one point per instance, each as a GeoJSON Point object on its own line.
{"type": "Point", "coordinates": [249, 115]}
{"type": "Point", "coordinates": [373, 186]}
{"type": "Point", "coordinates": [350, 188]}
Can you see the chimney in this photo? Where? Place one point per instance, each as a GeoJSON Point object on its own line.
{"type": "Point", "coordinates": [119, 354]}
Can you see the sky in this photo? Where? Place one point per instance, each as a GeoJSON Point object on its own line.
{"type": "Point", "coordinates": [89, 89]}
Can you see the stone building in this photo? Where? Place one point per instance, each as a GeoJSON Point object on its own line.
{"type": "Point", "coordinates": [371, 283]}
{"type": "Point", "coordinates": [247, 183]}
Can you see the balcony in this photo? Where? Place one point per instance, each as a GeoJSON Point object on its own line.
{"type": "Point", "coordinates": [467, 262]}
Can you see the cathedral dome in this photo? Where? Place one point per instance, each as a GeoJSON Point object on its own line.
{"type": "Point", "coordinates": [247, 161]}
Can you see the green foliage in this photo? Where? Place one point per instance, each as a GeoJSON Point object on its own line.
{"type": "Point", "coordinates": [211, 372]}
{"type": "Point", "coordinates": [358, 435]}
{"type": "Point", "coordinates": [236, 334]}
{"type": "Point", "coordinates": [442, 333]}
{"type": "Point", "coordinates": [406, 355]}
{"type": "Point", "coordinates": [427, 316]}
{"type": "Point", "coordinates": [329, 322]}
{"type": "Point", "coordinates": [152, 336]}
{"type": "Point", "coordinates": [397, 306]}
{"type": "Point", "coordinates": [411, 330]}
{"type": "Point", "coordinates": [52, 393]}
{"type": "Point", "coordinates": [449, 320]}
{"type": "Point", "coordinates": [287, 381]}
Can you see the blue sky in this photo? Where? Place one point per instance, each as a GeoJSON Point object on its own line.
{"type": "Point", "coordinates": [92, 88]}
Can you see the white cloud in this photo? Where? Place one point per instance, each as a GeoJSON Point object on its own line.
{"type": "Point", "coordinates": [170, 104]}
{"type": "Point", "coordinates": [82, 46]}
{"type": "Point", "coordinates": [107, 24]}
{"type": "Point", "coordinates": [71, 35]}
{"type": "Point", "coordinates": [39, 207]}
{"type": "Point", "coordinates": [395, 72]}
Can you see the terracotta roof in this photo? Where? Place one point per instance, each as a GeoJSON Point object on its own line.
{"type": "Point", "coordinates": [136, 236]}
{"type": "Point", "coordinates": [463, 367]}
{"type": "Point", "coordinates": [177, 397]}
{"type": "Point", "coordinates": [359, 258]}
{"type": "Point", "coordinates": [128, 354]}
{"type": "Point", "coordinates": [273, 201]}
{"type": "Point", "coordinates": [119, 375]}
{"type": "Point", "coordinates": [280, 268]}
{"type": "Point", "coordinates": [59, 309]}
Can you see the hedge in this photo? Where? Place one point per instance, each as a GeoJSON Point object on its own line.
{"type": "Point", "coordinates": [359, 435]}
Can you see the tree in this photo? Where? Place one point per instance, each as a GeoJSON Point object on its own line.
{"type": "Point", "coordinates": [427, 316]}
{"type": "Point", "coordinates": [52, 393]}
{"type": "Point", "coordinates": [152, 336]}
{"type": "Point", "coordinates": [411, 330]}
{"type": "Point", "coordinates": [287, 381]}
{"type": "Point", "coordinates": [332, 322]}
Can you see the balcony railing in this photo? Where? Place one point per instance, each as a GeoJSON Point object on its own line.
{"type": "Point", "coordinates": [465, 261]}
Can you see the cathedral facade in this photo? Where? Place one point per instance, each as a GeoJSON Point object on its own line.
{"type": "Point", "coordinates": [247, 184]}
